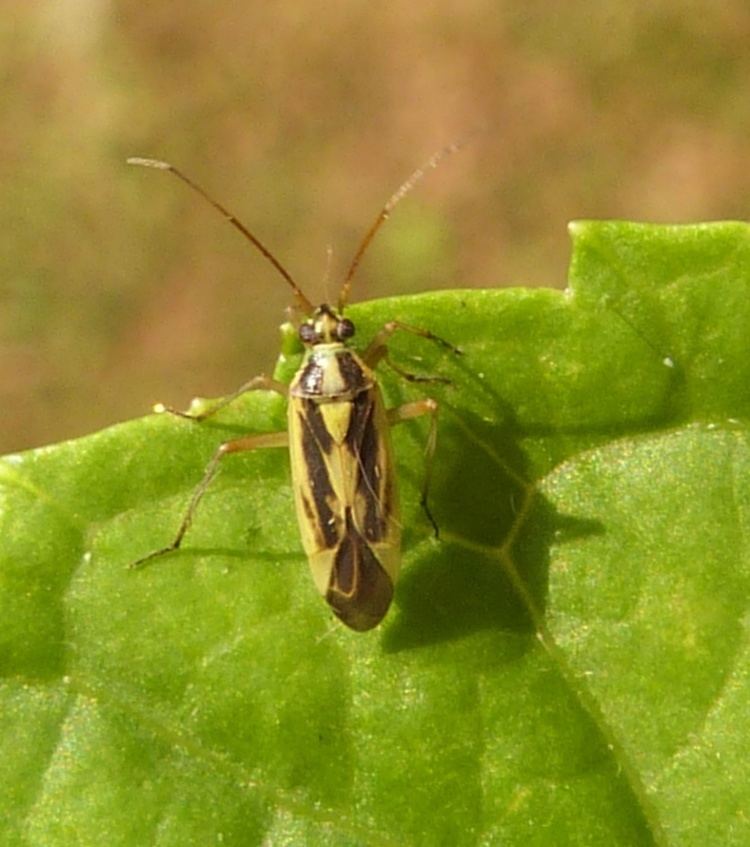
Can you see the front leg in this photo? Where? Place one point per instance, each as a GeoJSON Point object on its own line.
{"type": "Point", "coordinates": [257, 383]}
{"type": "Point", "coordinates": [377, 350]}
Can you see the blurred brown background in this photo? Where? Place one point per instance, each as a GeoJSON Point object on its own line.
{"type": "Point", "coordinates": [120, 288]}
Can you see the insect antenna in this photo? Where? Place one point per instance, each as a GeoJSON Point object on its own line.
{"type": "Point", "coordinates": [327, 276]}
{"type": "Point", "coordinates": [385, 213]}
{"type": "Point", "coordinates": [304, 304]}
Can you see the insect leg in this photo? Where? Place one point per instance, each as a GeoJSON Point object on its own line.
{"type": "Point", "coordinates": [416, 409]}
{"type": "Point", "coordinates": [378, 347]}
{"type": "Point", "coordinates": [257, 383]}
{"type": "Point", "coordinates": [248, 442]}
{"type": "Point", "coordinates": [377, 351]}
{"type": "Point", "coordinates": [410, 377]}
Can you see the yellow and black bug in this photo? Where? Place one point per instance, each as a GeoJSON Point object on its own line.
{"type": "Point", "coordinates": [339, 441]}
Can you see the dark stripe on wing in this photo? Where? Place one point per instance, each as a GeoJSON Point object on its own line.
{"type": "Point", "coordinates": [364, 441]}
{"type": "Point", "coordinates": [320, 484]}
{"type": "Point", "coordinates": [360, 591]}
{"type": "Point", "coordinates": [317, 425]}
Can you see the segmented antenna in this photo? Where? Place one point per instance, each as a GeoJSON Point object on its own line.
{"type": "Point", "coordinates": [304, 304]}
{"type": "Point", "coordinates": [385, 212]}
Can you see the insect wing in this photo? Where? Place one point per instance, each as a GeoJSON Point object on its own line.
{"type": "Point", "coordinates": [347, 503]}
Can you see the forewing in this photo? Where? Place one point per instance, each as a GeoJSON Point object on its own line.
{"type": "Point", "coordinates": [347, 503]}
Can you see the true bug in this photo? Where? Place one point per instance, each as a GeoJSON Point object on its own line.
{"type": "Point", "coordinates": [339, 440]}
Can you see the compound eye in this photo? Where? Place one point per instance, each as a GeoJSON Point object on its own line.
{"type": "Point", "coordinates": [307, 334]}
{"type": "Point", "coordinates": [344, 329]}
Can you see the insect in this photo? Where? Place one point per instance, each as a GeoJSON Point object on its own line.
{"type": "Point", "coordinates": [338, 437]}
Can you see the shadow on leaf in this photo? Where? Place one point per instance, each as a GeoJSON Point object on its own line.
{"type": "Point", "coordinates": [464, 582]}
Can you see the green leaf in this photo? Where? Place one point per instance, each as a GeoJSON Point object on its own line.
{"type": "Point", "coordinates": [568, 664]}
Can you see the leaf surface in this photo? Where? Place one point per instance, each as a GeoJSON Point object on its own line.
{"type": "Point", "coordinates": [568, 664]}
